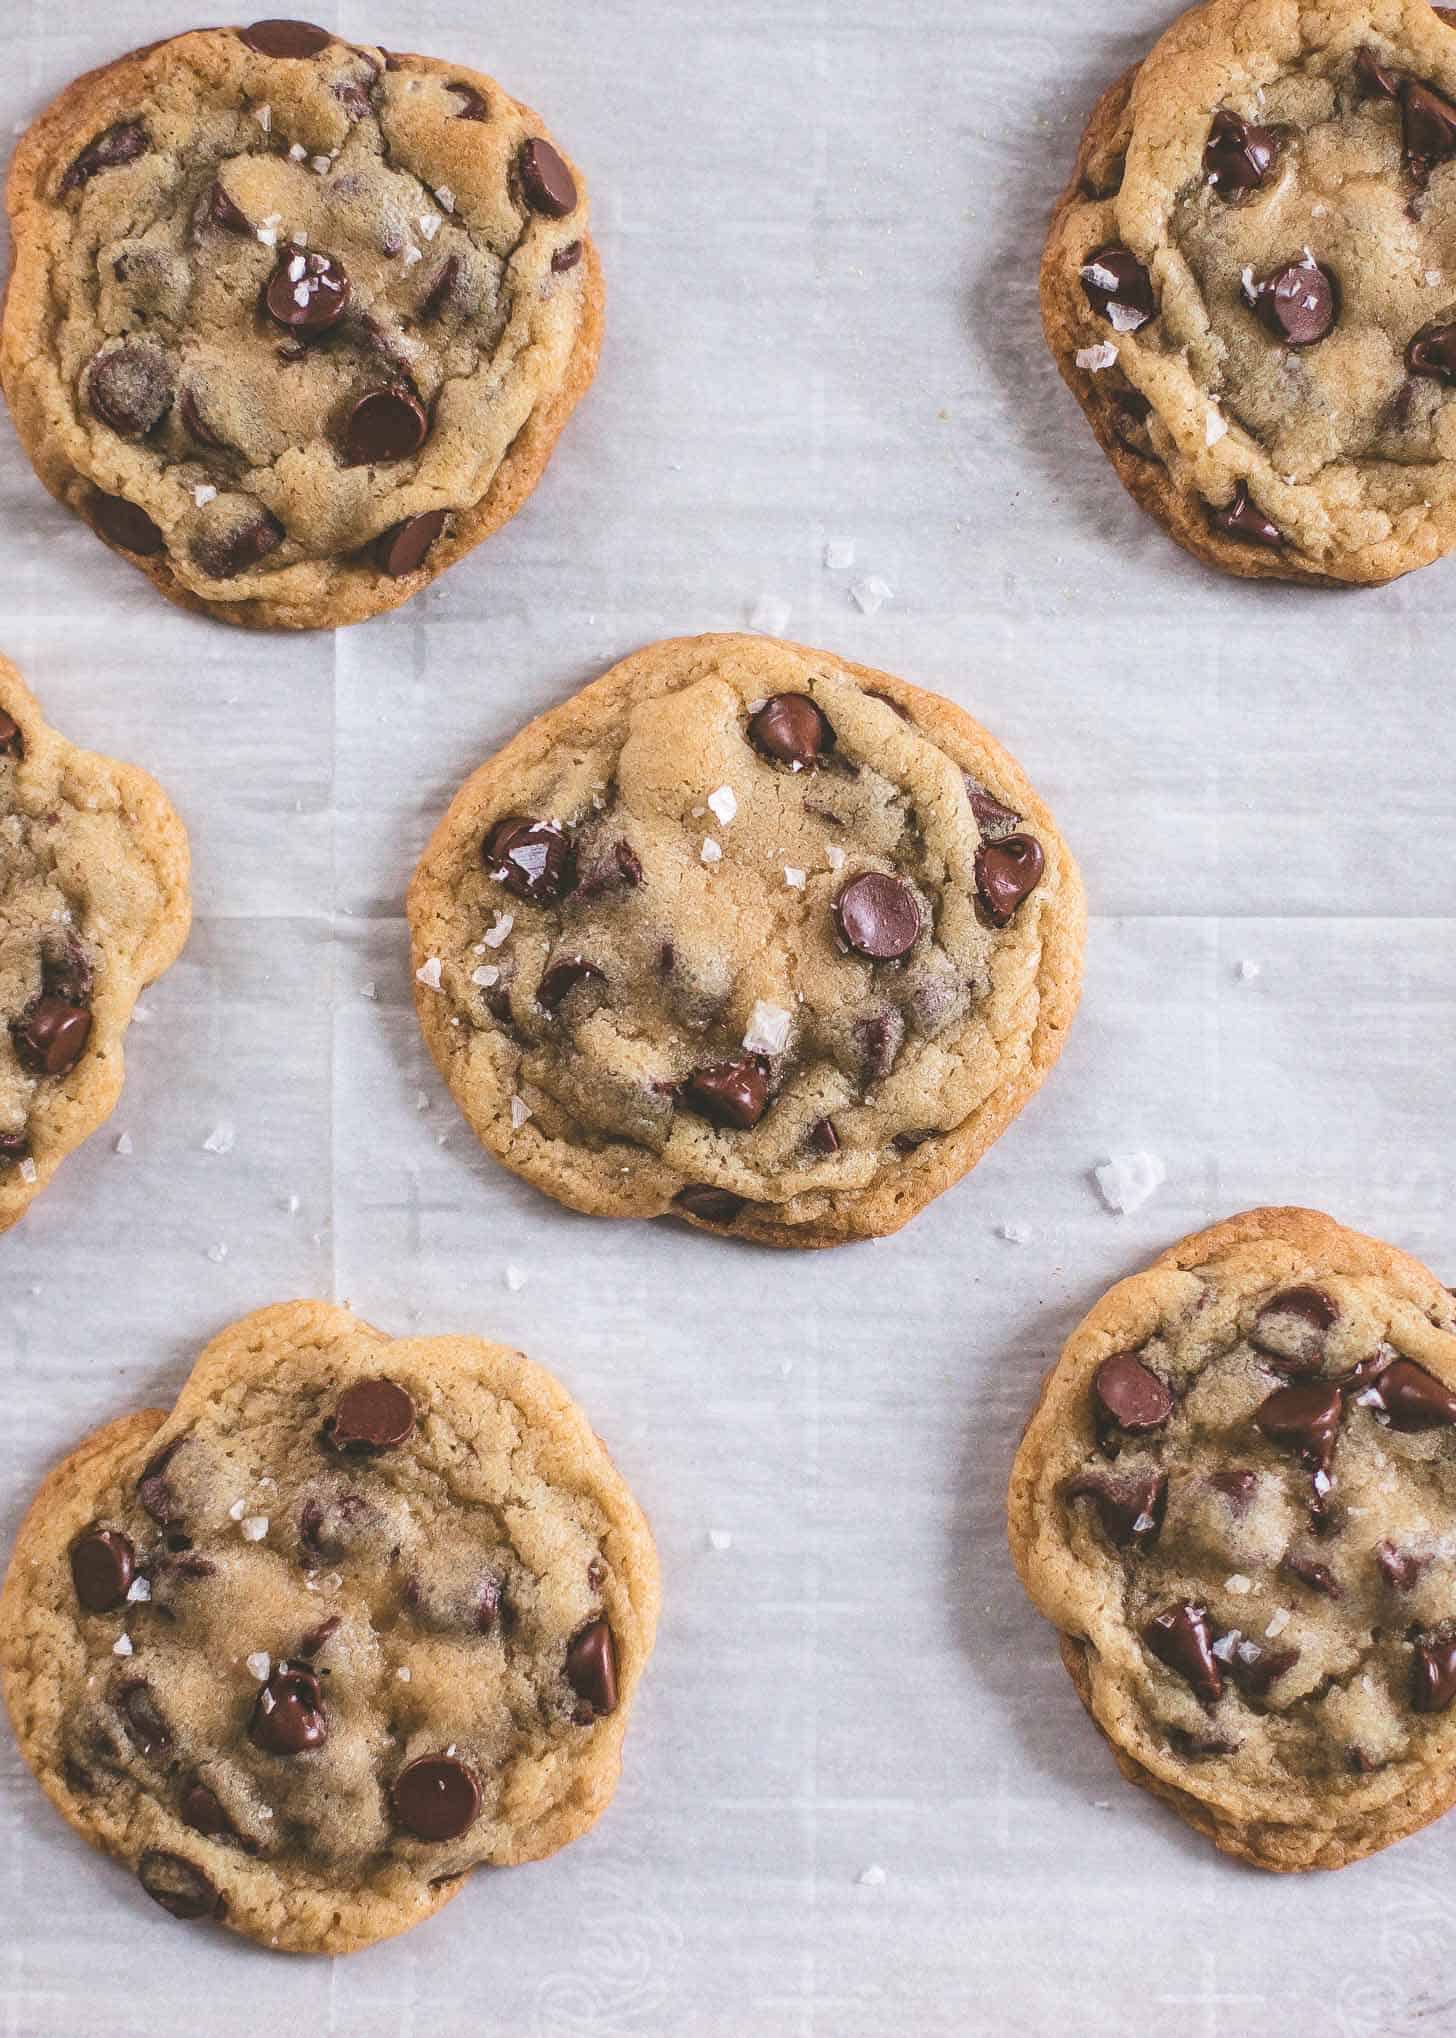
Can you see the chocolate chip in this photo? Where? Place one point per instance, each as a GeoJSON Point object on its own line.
{"type": "Point", "coordinates": [1433, 353]}
{"type": "Point", "coordinates": [1242, 518]}
{"type": "Point", "coordinates": [1376, 80]}
{"type": "Point", "coordinates": [562, 978]}
{"type": "Point", "coordinates": [103, 1564]}
{"type": "Point", "coordinates": [728, 1093]}
{"type": "Point", "coordinates": [1305, 1419]}
{"type": "Point", "coordinates": [281, 38]}
{"type": "Point", "coordinates": [329, 1529]}
{"type": "Point", "coordinates": [1007, 872]}
{"type": "Point", "coordinates": [712, 1206]}
{"type": "Point", "coordinates": [878, 916]}
{"type": "Point", "coordinates": [823, 1137]}
{"type": "Point", "coordinates": [189, 406]}
{"type": "Point", "coordinates": [153, 1491]}
{"type": "Point", "coordinates": [1309, 1571]}
{"type": "Point", "coordinates": [991, 816]}
{"type": "Point", "coordinates": [372, 1415]}
{"type": "Point", "coordinates": [387, 424]}
{"type": "Point", "coordinates": [442, 289]}
{"type": "Point", "coordinates": [790, 728]}
{"type": "Point", "coordinates": [879, 1041]}
{"type": "Point", "coordinates": [566, 258]}
{"type": "Point", "coordinates": [51, 1037]}
{"type": "Point", "coordinates": [1254, 1678]}
{"type": "Point", "coordinates": [1429, 125]}
{"type": "Point", "coordinates": [1236, 156]}
{"type": "Point", "coordinates": [225, 555]}
{"type": "Point", "coordinates": [14, 1148]}
{"type": "Point", "coordinates": [488, 1605]}
{"type": "Point", "coordinates": [910, 1142]}
{"type": "Point", "coordinates": [1433, 1676]}
{"type": "Point", "coordinates": [1129, 1396]}
{"type": "Point", "coordinates": [178, 1885]}
{"type": "Point", "coordinates": [1399, 1568]}
{"type": "Point", "coordinates": [1291, 1329]}
{"type": "Point", "coordinates": [1130, 1510]}
{"type": "Point", "coordinates": [1236, 1485]}
{"type": "Point", "coordinates": [319, 1637]}
{"type": "Point", "coordinates": [125, 525]}
{"type": "Point", "coordinates": [201, 1809]}
{"type": "Point", "coordinates": [219, 210]}
{"type": "Point", "coordinates": [120, 144]}
{"type": "Point", "coordinates": [308, 292]}
{"type": "Point", "coordinates": [142, 1719]}
{"type": "Point", "coordinates": [546, 183]}
{"type": "Point", "coordinates": [354, 99]}
{"type": "Point", "coordinates": [130, 388]}
{"type": "Point", "coordinates": [1181, 1637]}
{"type": "Point", "coordinates": [288, 1717]}
{"type": "Point", "coordinates": [532, 859]}
{"type": "Point", "coordinates": [12, 744]}
{"type": "Point", "coordinates": [436, 1798]}
{"type": "Point", "coordinates": [1297, 304]}
{"type": "Point", "coordinates": [66, 972]}
{"type": "Point", "coordinates": [1118, 287]}
{"type": "Point", "coordinates": [591, 1666]}
{"type": "Point", "coordinates": [1409, 1397]}
{"type": "Point", "coordinates": [403, 548]}
{"type": "Point", "coordinates": [472, 107]}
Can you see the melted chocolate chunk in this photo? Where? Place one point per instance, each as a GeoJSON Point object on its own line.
{"type": "Point", "coordinates": [712, 1206]}
{"type": "Point", "coordinates": [1432, 353]}
{"type": "Point", "coordinates": [122, 523]}
{"type": "Point", "coordinates": [591, 1667]}
{"type": "Point", "coordinates": [1298, 304]}
{"type": "Point", "coordinates": [1309, 1571]}
{"type": "Point", "coordinates": [562, 978]}
{"type": "Point", "coordinates": [1433, 1676]}
{"type": "Point", "coordinates": [385, 425]}
{"type": "Point", "coordinates": [285, 38]}
{"type": "Point", "coordinates": [1129, 1396]}
{"type": "Point", "coordinates": [288, 1717]}
{"type": "Point", "coordinates": [1237, 157]}
{"type": "Point", "coordinates": [131, 388]}
{"type": "Point", "coordinates": [823, 1137]}
{"type": "Point", "coordinates": [142, 1719]}
{"type": "Point", "coordinates": [227, 554]}
{"type": "Point", "coordinates": [404, 548]}
{"type": "Point", "coordinates": [546, 183]}
{"type": "Point", "coordinates": [878, 916]}
{"type": "Point", "coordinates": [201, 1809]}
{"type": "Point", "coordinates": [792, 730]}
{"type": "Point", "coordinates": [1007, 872]}
{"type": "Point", "coordinates": [1242, 518]}
{"type": "Point", "coordinates": [532, 859]}
{"type": "Point", "coordinates": [1399, 1568]}
{"type": "Point", "coordinates": [178, 1885]}
{"type": "Point", "coordinates": [11, 742]}
{"type": "Point", "coordinates": [1428, 124]}
{"type": "Point", "coordinates": [308, 293]}
{"type": "Point", "coordinates": [1255, 1676]}
{"type": "Point", "coordinates": [51, 1037]}
{"type": "Point", "coordinates": [1304, 1419]}
{"type": "Point", "coordinates": [1290, 1330]}
{"type": "Point", "coordinates": [733, 1093]}
{"type": "Point", "coordinates": [1181, 1638]}
{"type": "Point", "coordinates": [103, 1564]}
{"type": "Point", "coordinates": [120, 144]}
{"type": "Point", "coordinates": [1408, 1396]}
{"type": "Point", "coordinates": [1130, 1510]}
{"type": "Point", "coordinates": [1119, 288]}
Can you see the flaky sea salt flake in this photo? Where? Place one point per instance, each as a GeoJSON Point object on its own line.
{"type": "Point", "coordinates": [515, 1279]}
{"type": "Point", "coordinates": [719, 1539]}
{"type": "Point", "coordinates": [839, 554]}
{"type": "Point", "coordinates": [222, 1139]}
{"type": "Point", "coordinates": [769, 615]}
{"type": "Point", "coordinates": [122, 1646]}
{"type": "Point", "coordinates": [253, 1527]}
{"type": "Point", "coordinates": [445, 198]}
{"type": "Point", "coordinates": [486, 976]}
{"type": "Point", "coordinates": [124, 1146]}
{"type": "Point", "coordinates": [872, 1877]}
{"type": "Point", "coordinates": [768, 1028]}
{"type": "Point", "coordinates": [499, 930]}
{"type": "Point", "coordinates": [870, 594]}
{"type": "Point", "coordinates": [1239, 1583]}
{"type": "Point", "coordinates": [139, 1589]}
{"type": "Point", "coordinates": [264, 116]}
{"type": "Point", "coordinates": [1016, 1233]}
{"type": "Point", "coordinates": [1278, 1621]}
{"type": "Point", "coordinates": [724, 803]}
{"type": "Point", "coordinates": [428, 973]}
{"type": "Point", "coordinates": [711, 851]}
{"type": "Point", "coordinates": [1095, 359]}
{"type": "Point", "coordinates": [520, 1112]}
{"type": "Point", "coordinates": [430, 224]}
{"type": "Point", "coordinates": [259, 1663]}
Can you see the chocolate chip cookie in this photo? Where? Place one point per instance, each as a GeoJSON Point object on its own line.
{"type": "Point", "coordinates": [357, 1616]}
{"type": "Point", "coordinates": [751, 935]}
{"type": "Point", "coordinates": [1250, 285]}
{"type": "Point", "coordinates": [294, 323]}
{"type": "Point", "coordinates": [94, 904]}
{"type": "Point", "coordinates": [1237, 1501]}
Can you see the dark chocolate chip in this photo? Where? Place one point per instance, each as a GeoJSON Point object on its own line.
{"type": "Point", "coordinates": [11, 742]}
{"type": "Point", "coordinates": [283, 38]}
{"type": "Point", "coordinates": [66, 972]}
{"type": "Point", "coordinates": [991, 816]}
{"type": "Point", "coordinates": [1236, 1485]}
{"type": "Point", "coordinates": [791, 729]}
{"type": "Point", "coordinates": [201, 1809]}
{"type": "Point", "coordinates": [1399, 1568]}
{"type": "Point", "coordinates": [546, 183]}
{"type": "Point", "coordinates": [1130, 1510]}
{"type": "Point", "coordinates": [288, 1717]}
{"type": "Point", "coordinates": [436, 1798]}
{"type": "Point", "coordinates": [910, 1142]}
{"type": "Point", "coordinates": [879, 1042]}
{"type": "Point", "coordinates": [1433, 1676]}
{"type": "Point", "coordinates": [372, 1415]}
{"type": "Point", "coordinates": [488, 1605]}
{"type": "Point", "coordinates": [878, 916]}
{"type": "Point", "coordinates": [226, 555]}
{"type": "Point", "coordinates": [1119, 288]}
{"type": "Point", "coordinates": [1242, 518]}
{"type": "Point", "coordinates": [1237, 156]}
{"type": "Point", "coordinates": [130, 388]}
{"type": "Point", "coordinates": [1432, 353]}
{"type": "Point", "coordinates": [404, 548]}
{"type": "Point", "coordinates": [591, 1666]}
{"type": "Point", "coordinates": [153, 1491]}
{"type": "Point", "coordinates": [1129, 1396]}
{"type": "Point", "coordinates": [1429, 125]}
{"type": "Point", "coordinates": [220, 211]}
{"type": "Point", "coordinates": [178, 1885]}
{"type": "Point", "coordinates": [1007, 872]}
{"type": "Point", "coordinates": [728, 1093]}
{"type": "Point", "coordinates": [1290, 1330]}
{"type": "Point", "coordinates": [194, 417]}
{"type": "Point", "coordinates": [387, 424]}
{"type": "Point", "coordinates": [1304, 1419]}
{"type": "Point", "coordinates": [712, 1206]}
{"type": "Point", "coordinates": [14, 1148]}
{"type": "Point", "coordinates": [1409, 1397]}
{"type": "Point", "coordinates": [328, 1529]}
{"type": "Point", "coordinates": [473, 106]}
{"type": "Point", "coordinates": [308, 292]}
{"type": "Point", "coordinates": [1298, 304]}
{"type": "Point", "coordinates": [823, 1137]}
{"type": "Point", "coordinates": [1181, 1637]}
{"type": "Point", "coordinates": [1309, 1571]}
{"type": "Point", "coordinates": [1254, 1678]}
{"type": "Point", "coordinates": [354, 99]}
{"type": "Point", "coordinates": [103, 1564]}
{"type": "Point", "coordinates": [51, 1037]}
{"type": "Point", "coordinates": [532, 859]}
{"type": "Point", "coordinates": [566, 258]}
{"type": "Point", "coordinates": [1376, 79]}
{"type": "Point", "coordinates": [442, 289]}
{"type": "Point", "coordinates": [142, 1719]}
{"type": "Point", "coordinates": [562, 978]}
{"type": "Point", "coordinates": [120, 144]}
{"type": "Point", "coordinates": [123, 524]}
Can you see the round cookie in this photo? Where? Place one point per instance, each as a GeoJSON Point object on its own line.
{"type": "Point", "coordinates": [357, 1616]}
{"type": "Point", "coordinates": [94, 904]}
{"type": "Point", "coordinates": [1237, 1503]}
{"type": "Point", "coordinates": [294, 323]}
{"type": "Point", "coordinates": [751, 935]}
{"type": "Point", "coordinates": [1250, 286]}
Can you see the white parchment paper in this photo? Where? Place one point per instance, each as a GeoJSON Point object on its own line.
{"type": "Point", "coordinates": [820, 224]}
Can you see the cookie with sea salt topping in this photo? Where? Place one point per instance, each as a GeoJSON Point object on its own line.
{"type": "Point", "coordinates": [294, 323]}
{"type": "Point", "coordinates": [359, 1615]}
{"type": "Point", "coordinates": [94, 904]}
{"type": "Point", "coordinates": [1237, 1503]}
{"type": "Point", "coordinates": [1250, 285]}
{"type": "Point", "coordinates": [750, 935]}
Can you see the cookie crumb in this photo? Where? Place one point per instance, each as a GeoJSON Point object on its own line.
{"type": "Point", "coordinates": [1125, 1181]}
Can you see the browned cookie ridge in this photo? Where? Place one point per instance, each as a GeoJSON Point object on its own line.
{"type": "Point", "coordinates": [1250, 286]}
{"type": "Point", "coordinates": [750, 935]}
{"type": "Point", "coordinates": [359, 1615]}
{"type": "Point", "coordinates": [1237, 1502]}
{"type": "Point", "coordinates": [294, 323]}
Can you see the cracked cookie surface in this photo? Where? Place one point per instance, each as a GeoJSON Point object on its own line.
{"type": "Point", "coordinates": [357, 1616]}
{"type": "Point", "coordinates": [294, 323]}
{"type": "Point", "coordinates": [1237, 1502]}
{"type": "Point", "coordinates": [1250, 285]}
{"type": "Point", "coordinates": [94, 904]}
{"type": "Point", "coordinates": [748, 934]}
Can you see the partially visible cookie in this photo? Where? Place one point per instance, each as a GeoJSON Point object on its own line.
{"type": "Point", "coordinates": [1250, 285]}
{"type": "Point", "coordinates": [1237, 1503]}
{"type": "Point", "coordinates": [357, 1616]}
{"type": "Point", "coordinates": [294, 323]}
{"type": "Point", "coordinates": [94, 904]}
{"type": "Point", "coordinates": [751, 935]}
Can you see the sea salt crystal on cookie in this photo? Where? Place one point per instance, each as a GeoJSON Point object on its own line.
{"type": "Point", "coordinates": [768, 1028]}
{"type": "Point", "coordinates": [711, 851]}
{"type": "Point", "coordinates": [724, 803]}
{"type": "Point", "coordinates": [428, 973]}
{"type": "Point", "coordinates": [1095, 359]}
